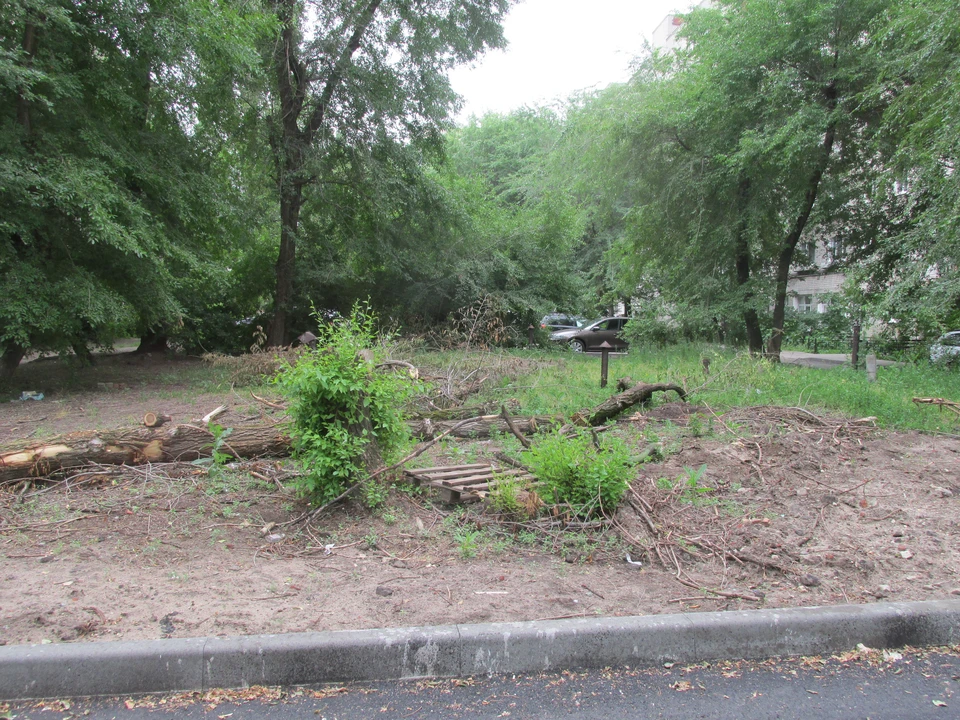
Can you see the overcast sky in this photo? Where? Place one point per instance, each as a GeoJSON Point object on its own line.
{"type": "Point", "coordinates": [557, 47]}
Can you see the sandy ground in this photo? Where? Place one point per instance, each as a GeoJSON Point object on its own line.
{"type": "Point", "coordinates": [769, 507]}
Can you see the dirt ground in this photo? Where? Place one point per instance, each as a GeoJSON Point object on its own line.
{"type": "Point", "coordinates": [767, 507]}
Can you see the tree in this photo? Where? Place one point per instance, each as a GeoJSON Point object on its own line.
{"type": "Point", "coordinates": [735, 142]}
{"type": "Point", "coordinates": [351, 73]}
{"type": "Point", "coordinates": [911, 273]}
{"type": "Point", "coordinates": [109, 127]}
{"type": "Point", "coordinates": [520, 242]}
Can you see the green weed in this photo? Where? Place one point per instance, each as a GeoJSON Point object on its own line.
{"type": "Point", "coordinates": [574, 471]}
{"type": "Point", "coordinates": [468, 542]}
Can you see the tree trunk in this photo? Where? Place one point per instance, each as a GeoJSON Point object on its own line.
{"type": "Point", "coordinates": [482, 427]}
{"type": "Point", "coordinates": [295, 80]}
{"type": "Point", "coordinates": [742, 262]}
{"type": "Point", "coordinates": [152, 341]}
{"type": "Point", "coordinates": [12, 355]}
{"type": "Point", "coordinates": [790, 242]}
{"type": "Point", "coordinates": [134, 446]}
{"type": "Point", "coordinates": [291, 200]}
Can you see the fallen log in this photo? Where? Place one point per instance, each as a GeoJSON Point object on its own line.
{"type": "Point", "coordinates": [481, 427]}
{"type": "Point", "coordinates": [134, 446]}
{"type": "Point", "coordinates": [639, 393]}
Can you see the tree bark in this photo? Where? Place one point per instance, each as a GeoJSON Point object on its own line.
{"type": "Point", "coordinates": [482, 427]}
{"type": "Point", "coordinates": [152, 341]}
{"type": "Point", "coordinates": [785, 259]}
{"type": "Point", "coordinates": [291, 200]}
{"type": "Point", "coordinates": [294, 80]}
{"type": "Point", "coordinates": [742, 262]}
{"type": "Point", "coordinates": [134, 446]}
{"type": "Point", "coordinates": [639, 393]}
{"type": "Point", "coordinates": [12, 355]}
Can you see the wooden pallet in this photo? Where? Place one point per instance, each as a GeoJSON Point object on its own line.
{"type": "Point", "coordinates": [464, 483]}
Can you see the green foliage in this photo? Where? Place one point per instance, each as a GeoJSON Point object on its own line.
{"type": "Point", "coordinates": [374, 494]}
{"type": "Point", "coordinates": [505, 497]}
{"type": "Point", "coordinates": [114, 194]}
{"type": "Point", "coordinates": [826, 332]}
{"type": "Point", "coordinates": [691, 489]}
{"type": "Point", "coordinates": [468, 541]}
{"type": "Point", "coordinates": [217, 456]}
{"type": "Point", "coordinates": [911, 273]}
{"type": "Point", "coordinates": [333, 392]}
{"type": "Point", "coordinates": [572, 470]}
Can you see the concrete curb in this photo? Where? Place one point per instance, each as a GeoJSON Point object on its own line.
{"type": "Point", "coordinates": [160, 666]}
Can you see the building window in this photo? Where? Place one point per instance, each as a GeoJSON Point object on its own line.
{"type": "Point", "coordinates": [804, 303]}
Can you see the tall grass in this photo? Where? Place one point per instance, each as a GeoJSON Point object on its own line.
{"type": "Point", "coordinates": [572, 382]}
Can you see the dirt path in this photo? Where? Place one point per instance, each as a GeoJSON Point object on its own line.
{"type": "Point", "coordinates": [766, 508]}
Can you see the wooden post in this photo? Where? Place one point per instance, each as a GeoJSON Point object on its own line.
{"type": "Point", "coordinates": [530, 330]}
{"type": "Point", "coordinates": [855, 349]}
{"type": "Point", "coordinates": [604, 362]}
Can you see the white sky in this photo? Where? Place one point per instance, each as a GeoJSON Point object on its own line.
{"type": "Point", "coordinates": [557, 47]}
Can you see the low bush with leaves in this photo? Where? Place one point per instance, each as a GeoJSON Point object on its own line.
{"type": "Point", "coordinates": [330, 391]}
{"type": "Point", "coordinates": [572, 470]}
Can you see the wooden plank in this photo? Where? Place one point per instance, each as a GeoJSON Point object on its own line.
{"type": "Point", "coordinates": [449, 496]}
{"type": "Point", "coordinates": [453, 475]}
{"type": "Point", "coordinates": [466, 483]}
{"type": "Point", "coordinates": [471, 480]}
{"type": "Point", "coordinates": [455, 485]}
{"type": "Point", "coordinates": [447, 467]}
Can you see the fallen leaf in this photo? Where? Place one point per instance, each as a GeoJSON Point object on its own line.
{"type": "Point", "coordinates": [939, 703]}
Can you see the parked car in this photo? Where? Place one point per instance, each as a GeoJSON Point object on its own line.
{"type": "Point", "coordinates": [593, 335]}
{"type": "Point", "coordinates": [562, 321]}
{"type": "Point", "coordinates": [946, 349]}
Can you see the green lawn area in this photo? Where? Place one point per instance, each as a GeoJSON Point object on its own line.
{"type": "Point", "coordinates": [567, 382]}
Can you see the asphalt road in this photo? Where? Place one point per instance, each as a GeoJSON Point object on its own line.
{"type": "Point", "coordinates": [921, 684]}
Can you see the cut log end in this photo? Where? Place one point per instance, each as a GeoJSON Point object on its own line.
{"type": "Point", "coordinates": [153, 420]}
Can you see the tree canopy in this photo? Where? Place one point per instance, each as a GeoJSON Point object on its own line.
{"type": "Point", "coordinates": [157, 159]}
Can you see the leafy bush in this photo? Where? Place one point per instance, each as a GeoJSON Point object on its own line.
{"type": "Point", "coordinates": [509, 497]}
{"type": "Point", "coordinates": [331, 390]}
{"type": "Point", "coordinates": [820, 332]}
{"type": "Point", "coordinates": [574, 471]}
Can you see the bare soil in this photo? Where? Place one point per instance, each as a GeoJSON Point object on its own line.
{"type": "Point", "coordinates": [767, 507]}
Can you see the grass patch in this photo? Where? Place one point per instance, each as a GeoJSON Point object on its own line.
{"type": "Point", "coordinates": [572, 382]}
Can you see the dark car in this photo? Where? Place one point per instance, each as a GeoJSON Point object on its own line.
{"type": "Point", "coordinates": [562, 321]}
{"type": "Point", "coordinates": [593, 335]}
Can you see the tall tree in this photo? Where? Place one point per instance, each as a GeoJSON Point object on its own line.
{"type": "Point", "coordinates": [350, 73]}
{"type": "Point", "coordinates": [911, 273]}
{"type": "Point", "coordinates": [109, 119]}
{"type": "Point", "coordinates": [737, 139]}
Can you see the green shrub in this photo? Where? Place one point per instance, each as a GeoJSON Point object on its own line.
{"type": "Point", "coordinates": [329, 391]}
{"type": "Point", "coordinates": [505, 496]}
{"type": "Point", "coordinates": [573, 470]}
